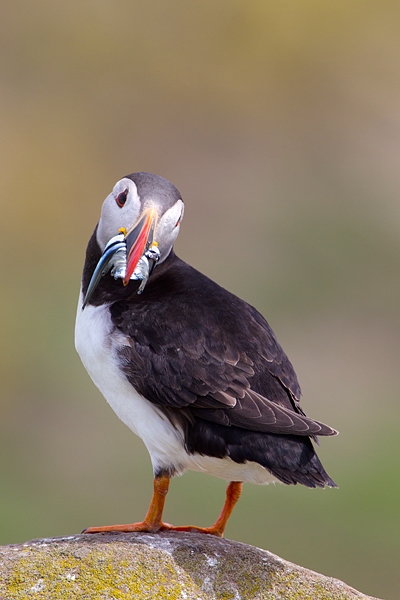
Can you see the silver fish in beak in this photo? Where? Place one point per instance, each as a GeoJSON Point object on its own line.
{"type": "Point", "coordinates": [129, 255]}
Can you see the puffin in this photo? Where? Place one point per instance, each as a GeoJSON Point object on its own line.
{"type": "Point", "coordinates": [193, 370]}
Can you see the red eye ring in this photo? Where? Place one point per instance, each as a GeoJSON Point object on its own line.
{"type": "Point", "coordinates": [121, 198]}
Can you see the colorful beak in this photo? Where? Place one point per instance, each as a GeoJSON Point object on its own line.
{"type": "Point", "coordinates": [115, 246]}
{"type": "Point", "coordinates": [138, 240]}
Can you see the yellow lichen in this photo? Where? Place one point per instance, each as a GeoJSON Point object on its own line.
{"type": "Point", "coordinates": [157, 567]}
{"type": "Point", "coordinates": [100, 574]}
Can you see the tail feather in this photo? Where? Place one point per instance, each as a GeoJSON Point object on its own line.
{"type": "Point", "coordinates": [290, 458]}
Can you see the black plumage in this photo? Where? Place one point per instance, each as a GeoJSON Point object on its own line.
{"type": "Point", "coordinates": [212, 363]}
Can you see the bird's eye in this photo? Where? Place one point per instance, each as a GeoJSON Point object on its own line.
{"type": "Point", "coordinates": [121, 198]}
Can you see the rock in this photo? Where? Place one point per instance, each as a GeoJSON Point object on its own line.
{"type": "Point", "coordinates": [163, 565]}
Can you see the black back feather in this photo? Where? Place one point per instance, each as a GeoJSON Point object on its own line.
{"type": "Point", "coordinates": [213, 364]}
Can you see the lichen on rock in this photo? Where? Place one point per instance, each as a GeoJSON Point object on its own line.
{"type": "Point", "coordinates": [144, 566]}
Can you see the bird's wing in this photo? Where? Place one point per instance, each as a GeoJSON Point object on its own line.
{"type": "Point", "coordinates": [184, 367]}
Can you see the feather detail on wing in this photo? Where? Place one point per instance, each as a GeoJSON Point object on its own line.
{"type": "Point", "coordinates": [214, 390]}
{"type": "Point", "coordinates": [256, 413]}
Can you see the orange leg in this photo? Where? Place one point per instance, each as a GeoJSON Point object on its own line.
{"type": "Point", "coordinates": [153, 519]}
{"type": "Point", "coordinates": [233, 492]}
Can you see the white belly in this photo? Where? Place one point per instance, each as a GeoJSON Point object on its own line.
{"type": "Point", "coordinates": [97, 343]}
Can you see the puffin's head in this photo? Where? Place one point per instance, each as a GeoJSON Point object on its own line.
{"type": "Point", "coordinates": [144, 211]}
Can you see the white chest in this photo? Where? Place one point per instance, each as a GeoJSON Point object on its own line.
{"type": "Point", "coordinates": [97, 343]}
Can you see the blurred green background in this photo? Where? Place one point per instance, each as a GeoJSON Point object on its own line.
{"type": "Point", "coordinates": [279, 122]}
